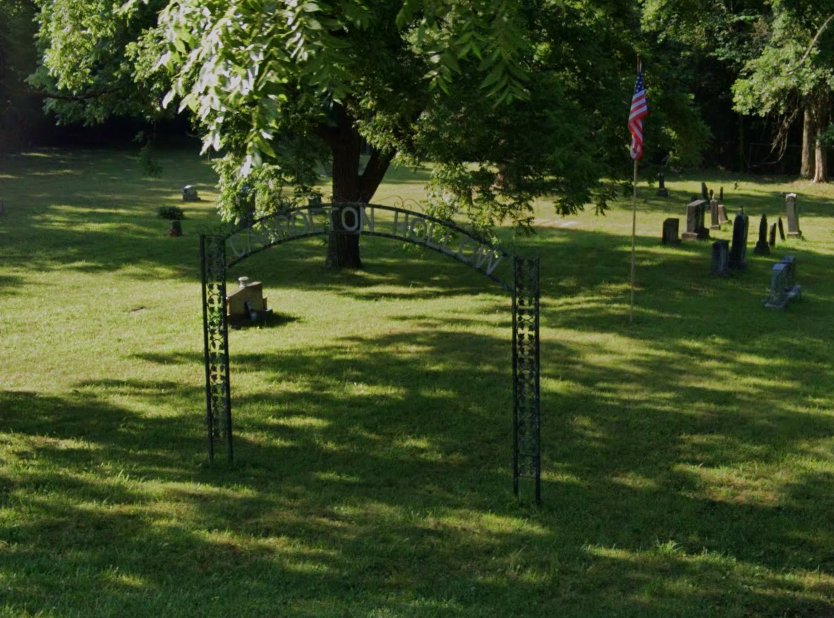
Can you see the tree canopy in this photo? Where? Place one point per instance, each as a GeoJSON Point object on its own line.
{"type": "Point", "coordinates": [508, 100]}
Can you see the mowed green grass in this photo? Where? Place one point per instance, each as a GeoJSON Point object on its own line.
{"type": "Point", "coordinates": [688, 456]}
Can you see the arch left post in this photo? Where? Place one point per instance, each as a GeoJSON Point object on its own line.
{"type": "Point", "coordinates": [216, 344]}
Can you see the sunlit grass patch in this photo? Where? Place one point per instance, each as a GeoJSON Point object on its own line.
{"type": "Point", "coordinates": [688, 456]}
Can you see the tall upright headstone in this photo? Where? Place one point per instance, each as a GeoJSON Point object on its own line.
{"type": "Point", "coordinates": [722, 215]}
{"type": "Point", "coordinates": [695, 221]}
{"type": "Point", "coordinates": [738, 250]}
{"type": "Point", "coordinates": [715, 221]}
{"type": "Point", "coordinates": [762, 248]}
{"type": "Point", "coordinates": [704, 192]}
{"type": "Point", "coordinates": [772, 239]}
{"type": "Point", "coordinates": [662, 191]}
{"type": "Point", "coordinates": [781, 229]}
{"type": "Point", "coordinates": [792, 214]}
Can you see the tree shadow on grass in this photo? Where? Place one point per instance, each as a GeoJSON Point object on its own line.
{"type": "Point", "coordinates": [374, 476]}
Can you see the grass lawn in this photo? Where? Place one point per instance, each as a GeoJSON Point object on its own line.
{"type": "Point", "coordinates": [688, 457]}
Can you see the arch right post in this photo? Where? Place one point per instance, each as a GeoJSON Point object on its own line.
{"type": "Point", "coordinates": [526, 397]}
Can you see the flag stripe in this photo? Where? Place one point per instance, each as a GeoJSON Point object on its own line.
{"type": "Point", "coordinates": [639, 110]}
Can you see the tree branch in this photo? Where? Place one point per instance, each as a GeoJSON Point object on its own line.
{"type": "Point", "coordinates": [813, 43]}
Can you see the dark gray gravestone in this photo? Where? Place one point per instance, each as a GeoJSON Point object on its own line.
{"type": "Point", "coordinates": [781, 229]}
{"type": "Point", "coordinates": [695, 221]}
{"type": "Point", "coordinates": [772, 239]}
{"type": "Point", "coordinates": [720, 266]}
{"type": "Point", "coordinates": [738, 250]}
{"type": "Point", "coordinates": [762, 248]}
{"type": "Point", "coordinates": [704, 192]}
{"type": "Point", "coordinates": [721, 195]}
{"type": "Point", "coordinates": [715, 221]}
{"type": "Point", "coordinates": [792, 214]}
{"type": "Point", "coordinates": [661, 188]}
{"type": "Point", "coordinates": [189, 194]}
{"type": "Point", "coordinates": [670, 231]}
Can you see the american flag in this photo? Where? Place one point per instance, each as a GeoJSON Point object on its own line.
{"type": "Point", "coordinates": [639, 110]}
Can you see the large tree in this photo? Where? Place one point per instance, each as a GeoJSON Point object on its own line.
{"type": "Point", "coordinates": [507, 99]}
{"type": "Point", "coordinates": [792, 76]}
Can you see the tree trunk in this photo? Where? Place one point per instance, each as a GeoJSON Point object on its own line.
{"type": "Point", "coordinates": [349, 186]}
{"type": "Point", "coordinates": [820, 148]}
{"type": "Point", "coordinates": [342, 246]}
{"type": "Point", "coordinates": [805, 170]}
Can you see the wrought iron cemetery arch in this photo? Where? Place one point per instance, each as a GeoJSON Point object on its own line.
{"type": "Point", "coordinates": [516, 275]}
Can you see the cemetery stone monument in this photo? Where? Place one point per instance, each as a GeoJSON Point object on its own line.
{"type": "Point", "coordinates": [793, 216]}
{"type": "Point", "coordinates": [738, 249]}
{"type": "Point", "coordinates": [783, 288]}
{"type": "Point", "coordinates": [715, 221]}
{"type": "Point", "coordinates": [662, 191]}
{"type": "Point", "coordinates": [704, 192]}
{"type": "Point", "coordinates": [762, 248]}
{"type": "Point", "coordinates": [772, 239]}
{"type": "Point", "coordinates": [720, 258]}
{"type": "Point", "coordinates": [695, 211]}
{"type": "Point", "coordinates": [781, 229]}
{"type": "Point", "coordinates": [246, 304]}
{"type": "Point", "coordinates": [670, 231]}
{"type": "Point", "coordinates": [189, 194]}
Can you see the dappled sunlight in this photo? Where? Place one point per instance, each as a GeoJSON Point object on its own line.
{"type": "Point", "coordinates": [688, 457]}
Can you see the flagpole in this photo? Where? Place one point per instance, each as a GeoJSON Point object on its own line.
{"type": "Point", "coordinates": [633, 227]}
{"type": "Point", "coordinates": [633, 240]}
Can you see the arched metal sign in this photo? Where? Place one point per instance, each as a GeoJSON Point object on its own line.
{"type": "Point", "coordinates": [516, 275]}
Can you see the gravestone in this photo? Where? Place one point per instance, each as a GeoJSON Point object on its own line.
{"type": "Point", "coordinates": [792, 213]}
{"type": "Point", "coordinates": [247, 303]}
{"type": "Point", "coordinates": [762, 248]}
{"type": "Point", "coordinates": [721, 195]}
{"type": "Point", "coordinates": [720, 266]}
{"type": "Point", "coordinates": [695, 221]}
{"type": "Point", "coordinates": [661, 188]}
{"type": "Point", "coordinates": [772, 239]}
{"type": "Point", "coordinates": [189, 194]}
{"type": "Point", "coordinates": [722, 215]}
{"type": "Point", "coordinates": [781, 229]}
{"type": "Point", "coordinates": [704, 192]}
{"type": "Point", "coordinates": [670, 231]}
{"type": "Point", "coordinates": [715, 221]}
{"type": "Point", "coordinates": [738, 249]}
{"type": "Point", "coordinates": [783, 288]}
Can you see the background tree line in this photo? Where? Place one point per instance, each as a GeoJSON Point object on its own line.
{"type": "Point", "coordinates": [509, 100]}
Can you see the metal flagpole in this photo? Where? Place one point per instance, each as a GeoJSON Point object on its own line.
{"type": "Point", "coordinates": [633, 241]}
{"type": "Point", "coordinates": [633, 228]}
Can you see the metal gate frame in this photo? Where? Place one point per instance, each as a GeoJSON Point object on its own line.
{"type": "Point", "coordinates": [522, 282]}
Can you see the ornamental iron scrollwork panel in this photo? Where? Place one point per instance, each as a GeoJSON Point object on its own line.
{"type": "Point", "coordinates": [216, 343]}
{"type": "Point", "coordinates": [526, 399]}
